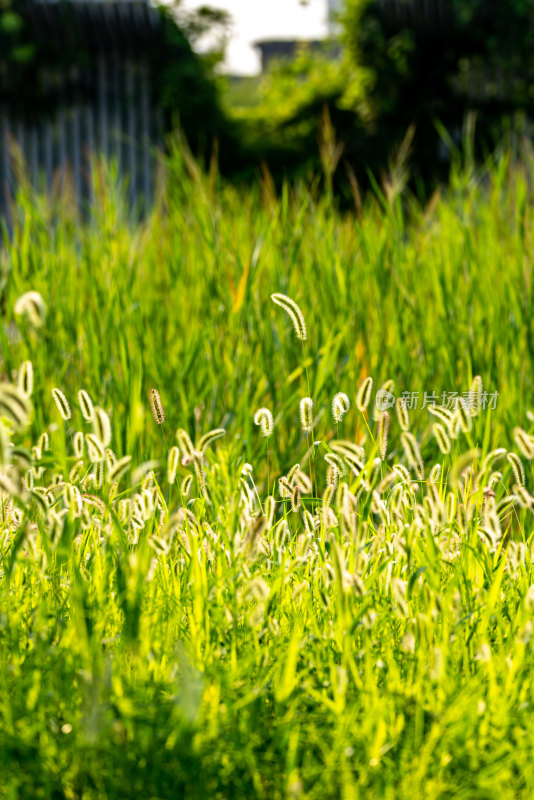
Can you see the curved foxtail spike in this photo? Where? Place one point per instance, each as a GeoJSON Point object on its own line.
{"type": "Point", "coordinates": [413, 454]}
{"type": "Point", "coordinates": [442, 438]}
{"type": "Point", "coordinates": [517, 467]}
{"type": "Point", "coordinates": [264, 419]}
{"type": "Point", "coordinates": [86, 405]}
{"type": "Point", "coordinates": [363, 397]}
{"type": "Point", "coordinates": [296, 315]}
{"type": "Point", "coordinates": [25, 378]}
{"type": "Point", "coordinates": [102, 426]}
{"type": "Point", "coordinates": [401, 407]}
{"type": "Point", "coordinates": [340, 406]}
{"type": "Point", "coordinates": [62, 403]}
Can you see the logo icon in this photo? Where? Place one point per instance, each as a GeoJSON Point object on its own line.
{"type": "Point", "coordinates": [384, 400]}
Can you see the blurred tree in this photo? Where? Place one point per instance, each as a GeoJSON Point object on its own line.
{"type": "Point", "coordinates": [185, 80]}
{"type": "Point", "coordinates": [17, 50]}
{"type": "Point", "coordinates": [204, 23]}
{"type": "Point", "coordinates": [421, 67]}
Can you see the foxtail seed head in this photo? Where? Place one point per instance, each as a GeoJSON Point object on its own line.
{"type": "Point", "coordinates": [383, 428]}
{"type": "Point", "coordinates": [363, 397]}
{"type": "Point", "coordinates": [32, 306]}
{"type": "Point", "coordinates": [340, 406]}
{"type": "Point", "coordinates": [475, 395]}
{"type": "Point", "coordinates": [295, 314]}
{"type": "Point", "coordinates": [14, 405]}
{"type": "Point", "coordinates": [413, 454]}
{"type": "Point", "coordinates": [95, 448]}
{"type": "Point", "coordinates": [461, 466]}
{"type": "Point", "coordinates": [463, 417]}
{"type": "Point", "coordinates": [120, 468]}
{"type": "Point", "coordinates": [157, 407]}
{"type": "Point", "coordinates": [442, 413]}
{"type": "Point", "coordinates": [295, 498]}
{"type": "Point", "coordinates": [292, 472]}
{"type": "Point", "coordinates": [435, 473]}
{"type": "Point", "coordinates": [525, 498]}
{"type": "Point", "coordinates": [494, 479]}
{"type": "Point", "coordinates": [450, 507]}
{"type": "Point", "coordinates": [332, 477]}
{"type": "Point", "coordinates": [402, 413]}
{"type": "Point", "coordinates": [25, 378]}
{"type": "Point", "coordinates": [455, 426]}
{"type": "Point", "coordinates": [186, 446]}
{"type": "Point", "coordinates": [301, 480]}
{"type": "Point", "coordinates": [208, 438]}
{"type": "Point", "coordinates": [382, 395]}
{"type": "Point", "coordinates": [517, 467]}
{"type": "Point", "coordinates": [336, 461]}
{"type": "Point", "coordinates": [492, 456]}
{"type": "Point", "coordinates": [78, 444]}
{"type": "Point", "coordinates": [264, 419]}
{"type": "Point", "coordinates": [102, 426]}
{"type": "Point", "coordinates": [306, 414]}
{"type": "Point", "coordinates": [28, 479]}
{"type": "Point", "coordinates": [100, 470]}
{"type": "Point", "coordinates": [86, 405]}
{"type": "Point", "coordinates": [76, 472]}
{"type": "Point", "coordinates": [172, 463]}
{"type": "Point", "coordinates": [284, 487]}
{"type": "Point", "coordinates": [270, 510]}
{"type": "Point", "coordinates": [442, 438]}
{"type": "Point", "coordinates": [186, 485]}
{"type": "Point", "coordinates": [525, 443]}
{"type": "Point", "coordinates": [402, 472]}
{"type": "Point", "coordinates": [61, 403]}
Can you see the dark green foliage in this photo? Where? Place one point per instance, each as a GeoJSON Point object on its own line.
{"type": "Point", "coordinates": [398, 70]}
{"type": "Point", "coordinates": [428, 68]}
{"type": "Point", "coordinates": [18, 49]}
{"type": "Point", "coordinates": [187, 91]}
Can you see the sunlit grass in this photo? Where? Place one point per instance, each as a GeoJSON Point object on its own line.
{"type": "Point", "coordinates": [199, 600]}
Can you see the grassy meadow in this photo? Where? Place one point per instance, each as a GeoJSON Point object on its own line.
{"type": "Point", "coordinates": [342, 608]}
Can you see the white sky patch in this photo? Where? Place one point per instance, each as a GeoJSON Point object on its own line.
{"type": "Point", "coordinates": [265, 19]}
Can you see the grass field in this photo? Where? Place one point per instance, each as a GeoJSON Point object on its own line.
{"type": "Point", "coordinates": [194, 615]}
